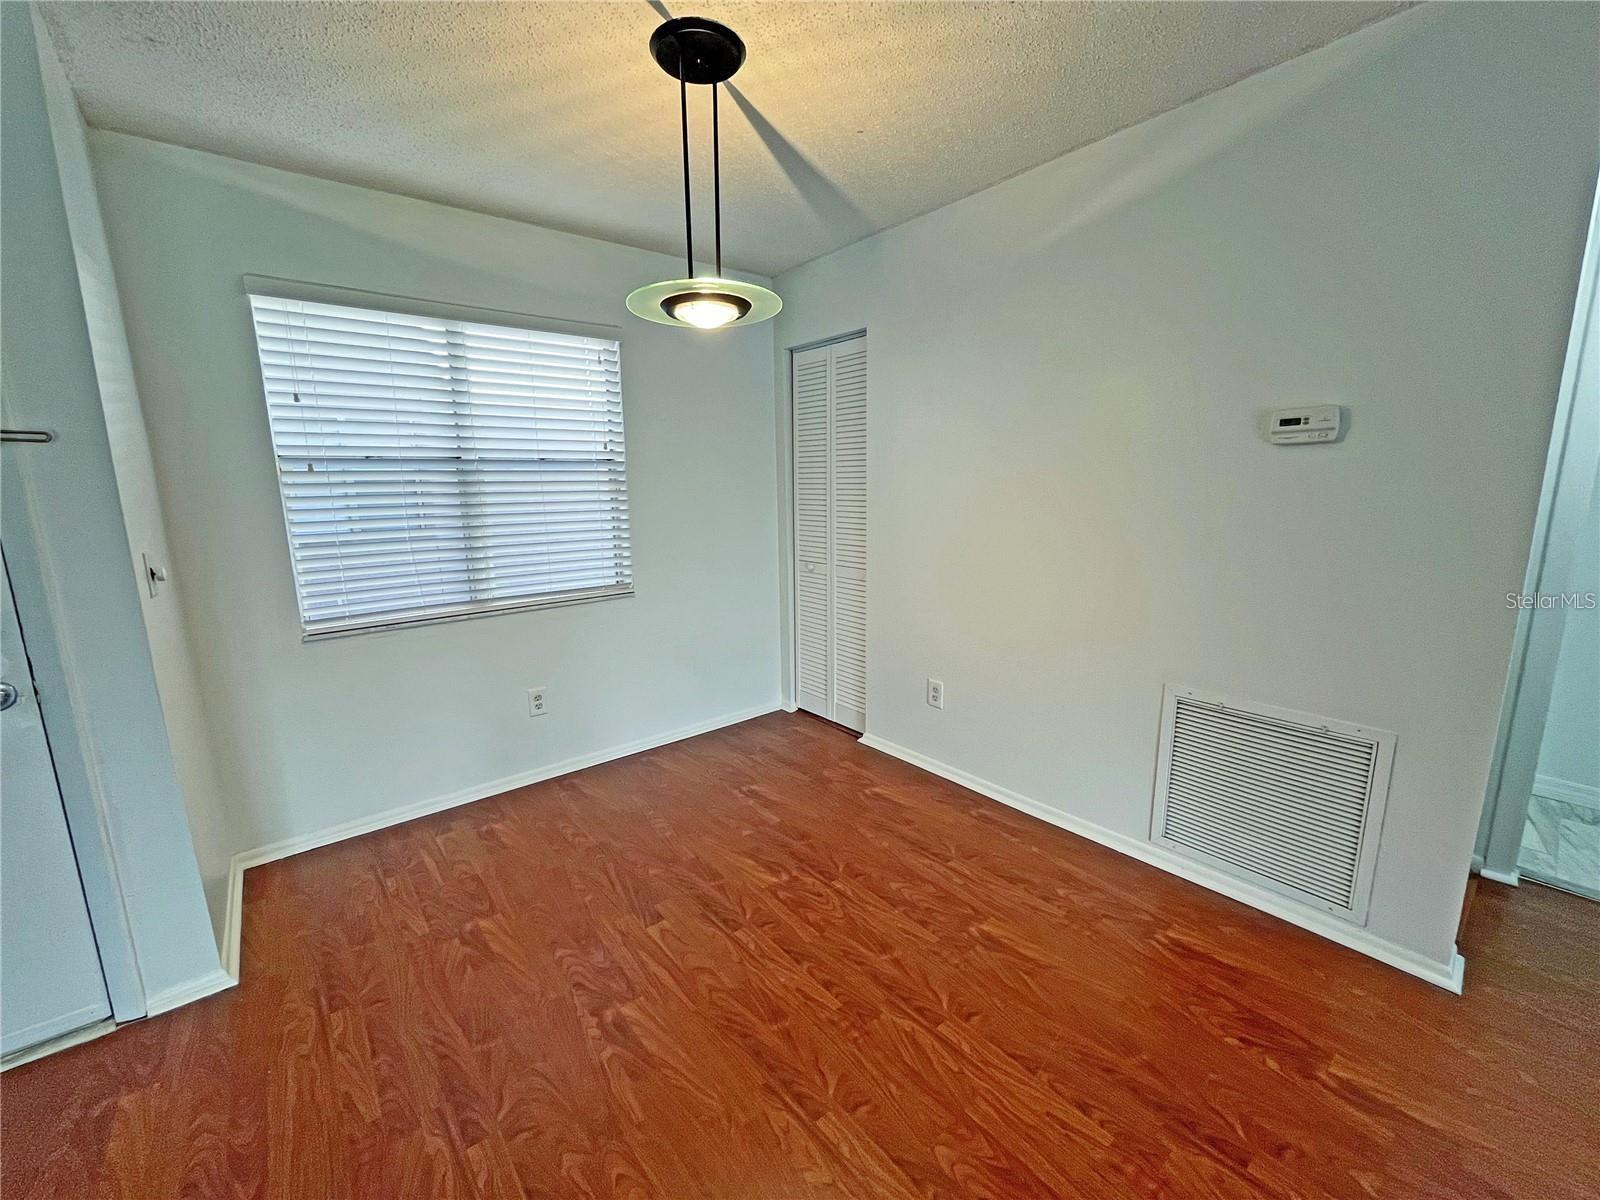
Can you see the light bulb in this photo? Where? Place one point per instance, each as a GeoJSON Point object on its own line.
{"type": "Point", "coordinates": [706, 310]}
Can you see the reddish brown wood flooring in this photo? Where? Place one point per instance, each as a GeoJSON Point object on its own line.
{"type": "Point", "coordinates": [770, 963]}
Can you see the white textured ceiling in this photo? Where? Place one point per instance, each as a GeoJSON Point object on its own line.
{"type": "Point", "coordinates": [846, 119]}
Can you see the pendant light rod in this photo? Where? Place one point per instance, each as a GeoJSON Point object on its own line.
{"type": "Point", "coordinates": [716, 175]}
{"type": "Point", "coordinates": [705, 53]}
{"type": "Point", "coordinates": [688, 210]}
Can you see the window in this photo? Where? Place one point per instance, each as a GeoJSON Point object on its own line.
{"type": "Point", "coordinates": [434, 468]}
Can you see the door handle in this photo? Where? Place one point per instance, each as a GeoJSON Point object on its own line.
{"type": "Point", "coordinates": [8, 695]}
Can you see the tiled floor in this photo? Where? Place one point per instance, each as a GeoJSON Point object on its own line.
{"type": "Point", "coordinates": [1561, 845]}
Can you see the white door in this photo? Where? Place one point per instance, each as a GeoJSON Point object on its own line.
{"type": "Point", "coordinates": [50, 978]}
{"type": "Point", "coordinates": [829, 385]}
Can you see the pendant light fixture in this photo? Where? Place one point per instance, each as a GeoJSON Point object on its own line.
{"type": "Point", "coordinates": [695, 50]}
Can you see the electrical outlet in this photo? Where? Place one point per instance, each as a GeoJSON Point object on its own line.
{"type": "Point", "coordinates": [936, 693]}
{"type": "Point", "coordinates": [536, 702]}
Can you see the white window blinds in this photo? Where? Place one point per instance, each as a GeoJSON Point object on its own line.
{"type": "Point", "coordinates": [434, 468]}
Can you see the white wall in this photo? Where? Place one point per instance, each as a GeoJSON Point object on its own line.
{"type": "Point", "coordinates": [309, 737]}
{"type": "Point", "coordinates": [1070, 502]}
{"type": "Point", "coordinates": [129, 442]}
{"type": "Point", "coordinates": [64, 516]}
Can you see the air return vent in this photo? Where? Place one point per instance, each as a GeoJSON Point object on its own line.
{"type": "Point", "coordinates": [1289, 801]}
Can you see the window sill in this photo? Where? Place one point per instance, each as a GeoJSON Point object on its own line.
{"type": "Point", "coordinates": [462, 614]}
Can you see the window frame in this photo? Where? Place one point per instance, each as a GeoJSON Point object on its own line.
{"type": "Point", "coordinates": [409, 306]}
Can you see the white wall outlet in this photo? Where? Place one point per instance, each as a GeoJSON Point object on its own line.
{"type": "Point", "coordinates": [936, 693]}
{"type": "Point", "coordinates": [536, 702]}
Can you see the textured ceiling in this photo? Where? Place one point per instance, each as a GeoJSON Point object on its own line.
{"type": "Point", "coordinates": [846, 119]}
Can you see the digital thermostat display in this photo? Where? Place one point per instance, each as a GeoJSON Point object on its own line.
{"type": "Point", "coordinates": [1306, 426]}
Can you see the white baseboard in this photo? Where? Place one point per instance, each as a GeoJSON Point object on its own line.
{"type": "Point", "coordinates": [155, 1005]}
{"type": "Point", "coordinates": [77, 1033]}
{"type": "Point", "coordinates": [233, 921]}
{"type": "Point", "coordinates": [1511, 878]}
{"type": "Point", "coordinates": [54, 1031]}
{"type": "Point", "coordinates": [188, 993]}
{"type": "Point", "coordinates": [1580, 794]}
{"type": "Point", "coordinates": [233, 915]}
{"type": "Point", "coordinates": [55, 1045]}
{"type": "Point", "coordinates": [1445, 975]}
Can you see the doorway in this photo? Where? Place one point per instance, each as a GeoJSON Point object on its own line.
{"type": "Point", "coordinates": [828, 387]}
{"type": "Point", "coordinates": [1561, 839]}
{"type": "Point", "coordinates": [1542, 813]}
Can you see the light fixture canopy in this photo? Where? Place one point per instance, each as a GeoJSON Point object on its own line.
{"type": "Point", "coordinates": [703, 52]}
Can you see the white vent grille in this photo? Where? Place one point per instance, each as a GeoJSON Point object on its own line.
{"type": "Point", "coordinates": [1289, 801]}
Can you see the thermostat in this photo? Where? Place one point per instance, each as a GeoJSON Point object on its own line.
{"type": "Point", "coordinates": [1296, 426]}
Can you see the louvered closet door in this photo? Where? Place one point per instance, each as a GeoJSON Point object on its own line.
{"type": "Point", "coordinates": [811, 520]}
{"type": "Point", "coordinates": [847, 380]}
{"type": "Point", "coordinates": [830, 523]}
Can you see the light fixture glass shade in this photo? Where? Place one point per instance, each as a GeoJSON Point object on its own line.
{"type": "Point", "coordinates": [705, 302]}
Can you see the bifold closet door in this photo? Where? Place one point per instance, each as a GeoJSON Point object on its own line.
{"type": "Point", "coordinates": [811, 518]}
{"type": "Point", "coordinates": [50, 977]}
{"type": "Point", "coordinates": [830, 524]}
{"type": "Point", "coordinates": [847, 388]}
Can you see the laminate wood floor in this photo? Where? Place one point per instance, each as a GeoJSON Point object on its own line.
{"type": "Point", "coordinates": [769, 963]}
